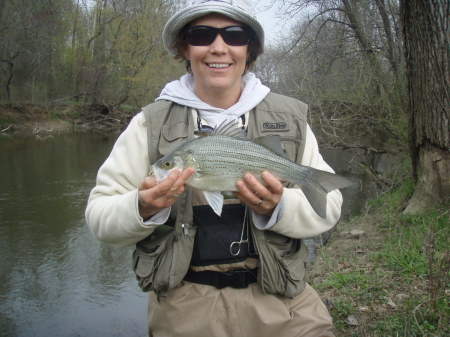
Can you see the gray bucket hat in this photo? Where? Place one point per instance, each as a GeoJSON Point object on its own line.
{"type": "Point", "coordinates": [239, 10]}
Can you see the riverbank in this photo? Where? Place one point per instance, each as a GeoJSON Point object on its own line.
{"type": "Point", "coordinates": [62, 117]}
{"type": "Point", "coordinates": [386, 274]}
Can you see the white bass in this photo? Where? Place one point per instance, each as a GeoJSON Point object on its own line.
{"type": "Point", "coordinates": [220, 161]}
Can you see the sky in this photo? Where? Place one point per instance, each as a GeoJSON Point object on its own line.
{"type": "Point", "coordinates": [268, 16]}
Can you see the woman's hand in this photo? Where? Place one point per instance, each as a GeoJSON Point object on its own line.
{"type": "Point", "coordinates": [153, 196]}
{"type": "Point", "coordinates": [262, 199]}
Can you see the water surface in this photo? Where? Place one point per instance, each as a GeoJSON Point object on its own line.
{"type": "Point", "coordinates": [56, 279]}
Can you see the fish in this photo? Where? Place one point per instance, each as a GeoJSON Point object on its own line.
{"type": "Point", "coordinates": [221, 159]}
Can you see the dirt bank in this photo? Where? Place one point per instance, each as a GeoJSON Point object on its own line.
{"type": "Point", "coordinates": [36, 118]}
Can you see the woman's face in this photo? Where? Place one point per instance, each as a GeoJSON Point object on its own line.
{"type": "Point", "coordinates": [218, 67]}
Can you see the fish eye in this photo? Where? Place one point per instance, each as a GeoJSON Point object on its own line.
{"type": "Point", "coordinates": [167, 164]}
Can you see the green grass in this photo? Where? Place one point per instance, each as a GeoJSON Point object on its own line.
{"type": "Point", "coordinates": [411, 239]}
{"type": "Point", "coordinates": [418, 249]}
{"type": "Point", "coordinates": [395, 279]}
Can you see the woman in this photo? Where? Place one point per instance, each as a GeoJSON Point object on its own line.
{"type": "Point", "coordinates": [257, 287]}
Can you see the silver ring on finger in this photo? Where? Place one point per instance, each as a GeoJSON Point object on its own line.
{"type": "Point", "coordinates": [259, 202]}
{"type": "Point", "coordinates": [175, 195]}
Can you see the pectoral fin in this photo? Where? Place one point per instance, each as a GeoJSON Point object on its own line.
{"type": "Point", "coordinates": [215, 200]}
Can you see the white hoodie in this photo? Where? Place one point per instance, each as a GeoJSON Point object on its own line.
{"type": "Point", "coordinates": [182, 92]}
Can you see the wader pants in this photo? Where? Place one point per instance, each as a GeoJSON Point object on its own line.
{"type": "Point", "coordinates": [195, 310]}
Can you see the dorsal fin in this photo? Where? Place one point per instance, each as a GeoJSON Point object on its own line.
{"type": "Point", "coordinates": [230, 129]}
{"type": "Point", "coordinates": [272, 143]}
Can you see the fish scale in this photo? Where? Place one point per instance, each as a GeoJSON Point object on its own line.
{"type": "Point", "coordinates": [223, 160]}
{"type": "Point", "coordinates": [220, 161]}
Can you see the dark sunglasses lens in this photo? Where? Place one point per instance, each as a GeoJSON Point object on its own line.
{"type": "Point", "coordinates": [236, 36]}
{"type": "Point", "coordinates": [204, 35]}
{"type": "Point", "coordinates": [201, 36]}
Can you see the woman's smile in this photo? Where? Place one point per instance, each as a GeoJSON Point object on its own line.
{"type": "Point", "coordinates": [218, 65]}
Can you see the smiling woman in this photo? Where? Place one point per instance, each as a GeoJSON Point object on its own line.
{"type": "Point", "coordinates": [185, 253]}
{"type": "Point", "coordinates": [217, 65]}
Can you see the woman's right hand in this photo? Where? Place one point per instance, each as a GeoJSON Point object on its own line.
{"type": "Point", "coordinates": [153, 196]}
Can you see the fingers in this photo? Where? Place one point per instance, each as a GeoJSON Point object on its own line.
{"type": "Point", "coordinates": [148, 182]}
{"type": "Point", "coordinates": [260, 197]}
{"type": "Point", "coordinates": [154, 197]}
{"type": "Point", "coordinates": [179, 185]}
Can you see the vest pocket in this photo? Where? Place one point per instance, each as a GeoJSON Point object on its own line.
{"type": "Point", "coordinates": [149, 251]}
{"type": "Point", "coordinates": [161, 260]}
{"type": "Point", "coordinates": [144, 264]}
{"type": "Point", "coordinates": [172, 136]}
{"type": "Point", "coordinates": [282, 263]}
{"type": "Point", "coordinates": [293, 264]}
{"type": "Point", "coordinates": [149, 254]}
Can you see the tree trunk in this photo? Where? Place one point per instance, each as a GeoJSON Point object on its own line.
{"type": "Point", "coordinates": [10, 64]}
{"type": "Point", "coordinates": [426, 38]}
{"type": "Point", "coordinates": [388, 32]}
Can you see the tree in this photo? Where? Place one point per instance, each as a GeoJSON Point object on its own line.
{"type": "Point", "coordinates": [426, 38]}
{"type": "Point", "coordinates": [31, 36]}
{"type": "Point", "coordinates": [344, 58]}
{"type": "Point", "coordinates": [95, 51]}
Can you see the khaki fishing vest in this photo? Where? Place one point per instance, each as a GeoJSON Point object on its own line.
{"type": "Point", "coordinates": [161, 260]}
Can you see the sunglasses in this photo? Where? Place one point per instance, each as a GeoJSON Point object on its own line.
{"type": "Point", "coordinates": [205, 35]}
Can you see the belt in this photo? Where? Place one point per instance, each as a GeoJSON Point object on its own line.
{"type": "Point", "coordinates": [239, 278]}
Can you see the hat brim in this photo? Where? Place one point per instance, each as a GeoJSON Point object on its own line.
{"type": "Point", "coordinates": [190, 13]}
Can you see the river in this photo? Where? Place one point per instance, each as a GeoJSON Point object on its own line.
{"type": "Point", "coordinates": [56, 279]}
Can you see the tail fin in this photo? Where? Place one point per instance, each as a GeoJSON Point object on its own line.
{"type": "Point", "coordinates": [317, 185]}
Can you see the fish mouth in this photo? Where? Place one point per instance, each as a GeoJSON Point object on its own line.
{"type": "Point", "coordinates": [159, 173]}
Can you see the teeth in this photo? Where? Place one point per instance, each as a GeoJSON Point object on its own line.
{"type": "Point", "coordinates": [218, 65]}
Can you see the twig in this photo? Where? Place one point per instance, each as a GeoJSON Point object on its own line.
{"type": "Point", "coordinates": [9, 127]}
{"type": "Point", "coordinates": [36, 130]}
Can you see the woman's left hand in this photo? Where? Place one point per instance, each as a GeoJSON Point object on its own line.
{"type": "Point", "coordinates": [262, 199]}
